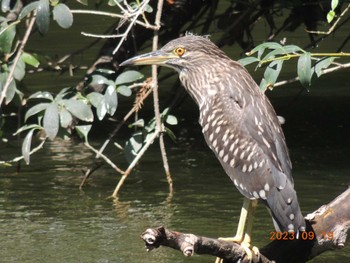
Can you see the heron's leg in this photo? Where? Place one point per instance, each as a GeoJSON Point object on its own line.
{"type": "Point", "coordinates": [244, 229]}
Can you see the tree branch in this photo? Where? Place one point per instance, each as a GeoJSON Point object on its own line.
{"type": "Point", "coordinates": [328, 228]}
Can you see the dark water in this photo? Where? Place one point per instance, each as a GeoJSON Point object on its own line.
{"type": "Point", "coordinates": [45, 218]}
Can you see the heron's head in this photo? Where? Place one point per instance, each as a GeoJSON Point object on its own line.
{"type": "Point", "coordinates": [183, 53]}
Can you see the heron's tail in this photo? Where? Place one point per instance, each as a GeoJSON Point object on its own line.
{"type": "Point", "coordinates": [285, 210]}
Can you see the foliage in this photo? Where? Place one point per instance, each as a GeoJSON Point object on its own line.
{"type": "Point", "coordinates": [75, 110]}
{"type": "Point", "coordinates": [274, 55]}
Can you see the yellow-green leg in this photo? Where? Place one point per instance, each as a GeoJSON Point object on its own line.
{"type": "Point", "coordinates": [244, 229]}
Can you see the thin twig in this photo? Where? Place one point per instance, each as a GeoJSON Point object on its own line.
{"type": "Point", "coordinates": [134, 162]}
{"type": "Point", "coordinates": [325, 71]}
{"type": "Point", "coordinates": [104, 157]}
{"type": "Point", "coordinates": [113, 15]}
{"type": "Point", "coordinates": [105, 144]}
{"type": "Point", "coordinates": [333, 26]}
{"type": "Point", "coordinates": [156, 100]}
{"type": "Point", "coordinates": [15, 61]}
{"type": "Point", "coordinates": [17, 159]}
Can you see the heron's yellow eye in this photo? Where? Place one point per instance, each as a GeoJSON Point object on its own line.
{"type": "Point", "coordinates": [179, 51]}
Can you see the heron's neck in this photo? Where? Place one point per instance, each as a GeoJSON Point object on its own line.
{"type": "Point", "coordinates": [201, 87]}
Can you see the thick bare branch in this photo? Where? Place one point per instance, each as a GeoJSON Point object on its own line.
{"type": "Point", "coordinates": [328, 228]}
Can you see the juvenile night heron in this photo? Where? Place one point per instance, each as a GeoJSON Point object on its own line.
{"type": "Point", "coordinates": [239, 125]}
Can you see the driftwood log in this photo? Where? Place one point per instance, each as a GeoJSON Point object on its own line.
{"type": "Point", "coordinates": [327, 229]}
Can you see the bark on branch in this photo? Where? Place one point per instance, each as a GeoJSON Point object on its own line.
{"type": "Point", "coordinates": [329, 226]}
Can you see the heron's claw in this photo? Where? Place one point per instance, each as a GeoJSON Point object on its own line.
{"type": "Point", "coordinates": [244, 244]}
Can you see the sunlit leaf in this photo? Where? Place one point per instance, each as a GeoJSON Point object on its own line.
{"type": "Point", "coordinates": [35, 110]}
{"type": "Point", "coordinates": [7, 37]}
{"type": "Point", "coordinates": [99, 79]}
{"type": "Point", "coordinates": [261, 48]}
{"type": "Point", "coordinates": [27, 127]}
{"type": "Point", "coordinates": [27, 9]}
{"type": "Point", "coordinates": [133, 146]}
{"type": "Point", "coordinates": [30, 59]}
{"type": "Point", "coordinates": [304, 69]}
{"type": "Point", "coordinates": [330, 16]}
{"type": "Point", "coordinates": [271, 74]}
{"type": "Point", "coordinates": [334, 4]}
{"type": "Point", "coordinates": [148, 9]}
{"type": "Point", "coordinates": [43, 16]}
{"type": "Point", "coordinates": [41, 95]}
{"type": "Point", "coordinates": [20, 70]}
{"type": "Point", "coordinates": [65, 118]}
{"type": "Point", "coordinates": [248, 60]}
{"type": "Point", "coordinates": [124, 90]}
{"type": "Point", "coordinates": [323, 64]}
{"type": "Point", "coordinates": [170, 119]}
{"type": "Point", "coordinates": [79, 109]}
{"type": "Point", "coordinates": [63, 16]}
{"type": "Point", "coordinates": [83, 130]}
{"type": "Point", "coordinates": [292, 49]}
{"type": "Point", "coordinates": [10, 92]}
{"type": "Point", "coordinates": [84, 2]}
{"type": "Point", "coordinates": [111, 100]}
{"type": "Point", "coordinates": [101, 110]}
{"type": "Point", "coordinates": [51, 120]}
{"type": "Point", "coordinates": [26, 145]}
{"type": "Point", "coordinates": [128, 76]}
{"type": "Point", "coordinates": [5, 6]}
{"type": "Point", "coordinates": [95, 98]}
{"type": "Point", "coordinates": [138, 123]}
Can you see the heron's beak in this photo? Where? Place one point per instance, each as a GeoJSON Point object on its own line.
{"type": "Point", "coordinates": [158, 57]}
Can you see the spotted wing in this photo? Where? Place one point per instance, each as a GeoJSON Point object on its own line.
{"type": "Point", "coordinates": [242, 129]}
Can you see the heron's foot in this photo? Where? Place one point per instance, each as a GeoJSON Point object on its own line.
{"type": "Point", "coordinates": [244, 244]}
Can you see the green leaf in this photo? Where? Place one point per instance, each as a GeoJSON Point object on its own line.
{"type": "Point", "coordinates": [11, 91]}
{"type": "Point", "coordinates": [271, 73]}
{"type": "Point", "coordinates": [111, 100]}
{"type": "Point", "coordinates": [261, 48]}
{"type": "Point", "coordinates": [35, 110]}
{"type": "Point", "coordinates": [170, 134]}
{"type": "Point", "coordinates": [43, 16]}
{"type": "Point", "coordinates": [83, 130]}
{"type": "Point", "coordinates": [128, 76]}
{"type": "Point", "coordinates": [27, 9]}
{"type": "Point", "coordinates": [133, 146]}
{"type": "Point", "coordinates": [100, 80]}
{"type": "Point", "coordinates": [27, 127]}
{"type": "Point", "coordinates": [124, 90]}
{"type": "Point", "coordinates": [29, 59]}
{"type": "Point", "coordinates": [79, 109]}
{"type": "Point", "coordinates": [41, 95]}
{"type": "Point", "coordinates": [304, 69]}
{"type": "Point", "coordinates": [292, 49]}
{"type": "Point", "coordinates": [26, 145]}
{"type": "Point", "coordinates": [51, 120]}
{"type": "Point", "coordinates": [148, 9]}
{"type": "Point", "coordinates": [20, 70]}
{"type": "Point", "coordinates": [139, 123]}
{"type": "Point", "coordinates": [7, 37]}
{"type": "Point", "coordinates": [334, 4]}
{"type": "Point", "coordinates": [95, 98]}
{"type": "Point", "coordinates": [65, 118]}
{"type": "Point", "coordinates": [84, 2]}
{"type": "Point", "coordinates": [63, 16]}
{"type": "Point", "coordinates": [322, 64]}
{"type": "Point", "coordinates": [170, 119]}
{"type": "Point", "coordinates": [248, 60]}
{"type": "Point", "coordinates": [330, 16]}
